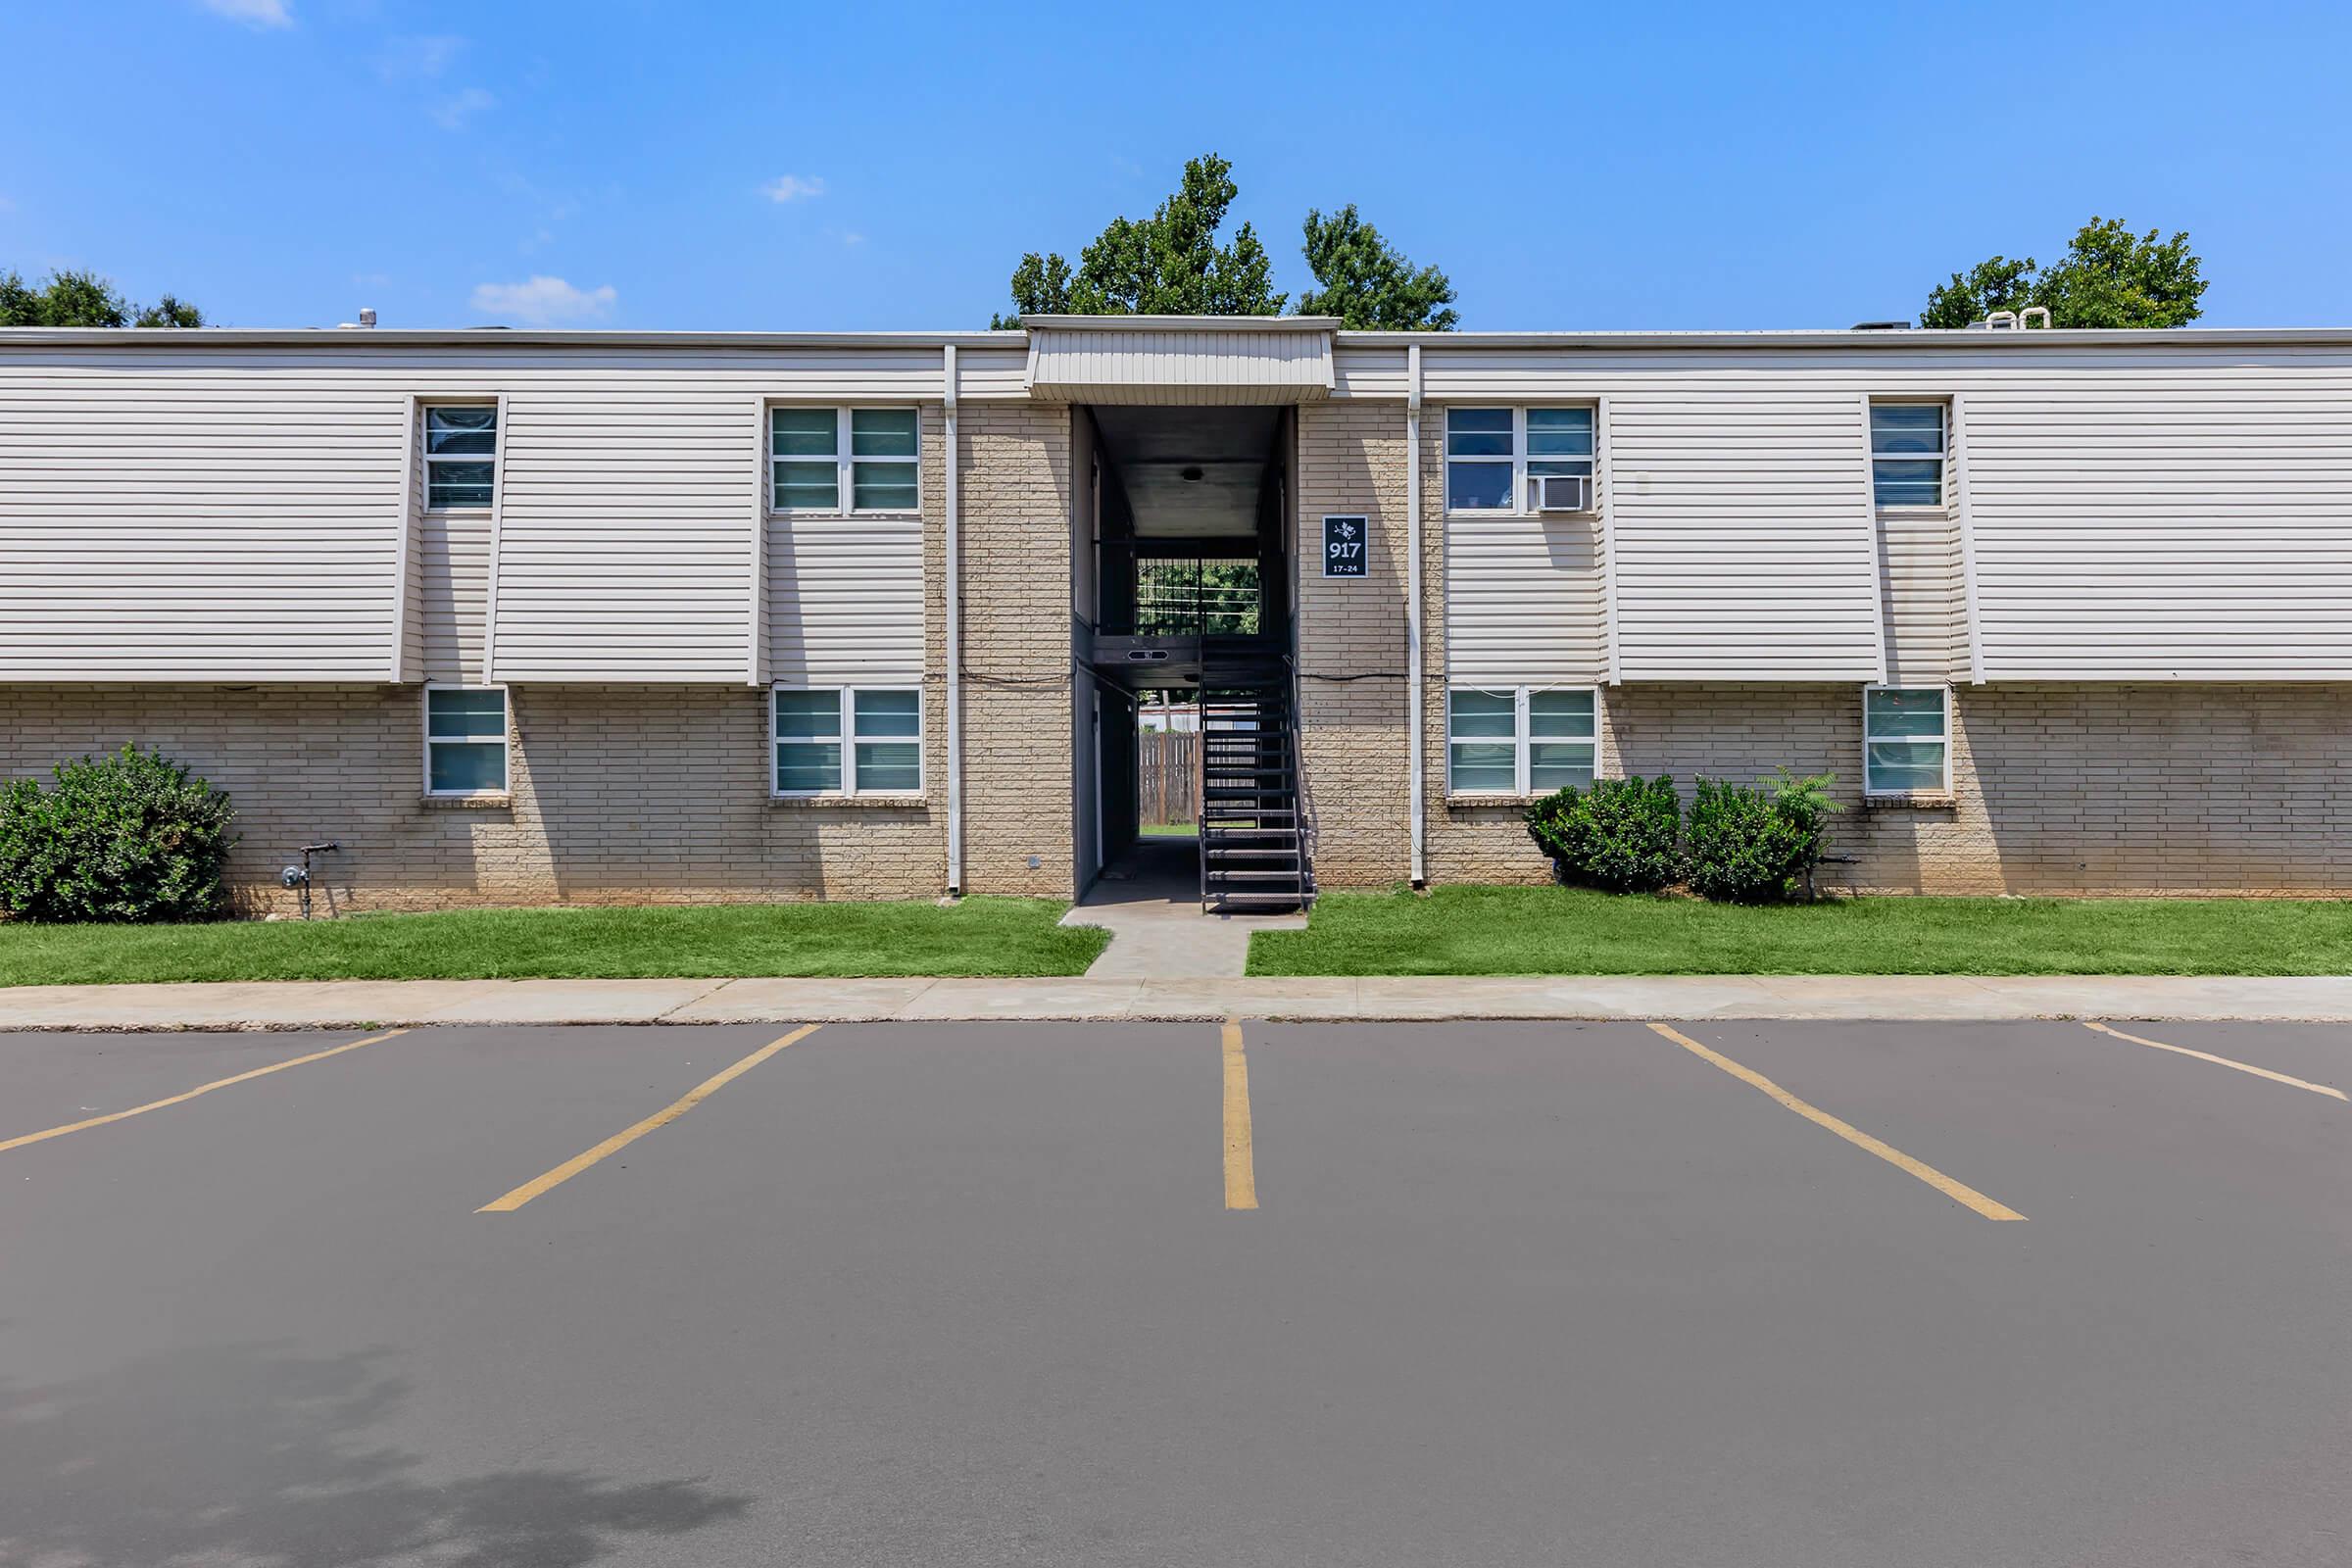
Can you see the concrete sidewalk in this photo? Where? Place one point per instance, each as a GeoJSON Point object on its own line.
{"type": "Point", "coordinates": [355, 1003]}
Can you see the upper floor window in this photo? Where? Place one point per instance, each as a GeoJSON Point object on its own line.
{"type": "Point", "coordinates": [460, 454]}
{"type": "Point", "coordinates": [1907, 453]}
{"type": "Point", "coordinates": [1491, 455]}
{"type": "Point", "coordinates": [820, 458]}
{"type": "Point", "coordinates": [1906, 740]}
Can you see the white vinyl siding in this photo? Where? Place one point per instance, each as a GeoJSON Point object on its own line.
{"type": "Point", "coordinates": [208, 509]}
{"type": "Point", "coordinates": [1523, 600]}
{"type": "Point", "coordinates": [1906, 740]}
{"type": "Point", "coordinates": [2166, 522]}
{"type": "Point", "coordinates": [452, 595]}
{"type": "Point", "coordinates": [848, 741]}
{"type": "Point", "coordinates": [1138, 361]}
{"type": "Point", "coordinates": [1520, 741]}
{"type": "Point", "coordinates": [1924, 603]}
{"type": "Point", "coordinates": [1742, 527]}
{"type": "Point", "coordinates": [625, 537]}
{"type": "Point", "coordinates": [465, 741]}
{"type": "Point", "coordinates": [197, 515]}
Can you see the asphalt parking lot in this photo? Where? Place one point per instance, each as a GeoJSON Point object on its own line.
{"type": "Point", "coordinates": [1712, 1294]}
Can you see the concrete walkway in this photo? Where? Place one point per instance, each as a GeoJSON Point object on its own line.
{"type": "Point", "coordinates": [1149, 901]}
{"type": "Point", "coordinates": [360, 1004]}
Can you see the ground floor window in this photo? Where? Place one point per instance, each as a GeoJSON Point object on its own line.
{"type": "Point", "coordinates": [848, 740]}
{"type": "Point", "coordinates": [1520, 740]}
{"type": "Point", "coordinates": [1906, 740]}
{"type": "Point", "coordinates": [465, 740]}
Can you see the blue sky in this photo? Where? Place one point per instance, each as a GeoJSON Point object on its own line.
{"type": "Point", "coordinates": [777, 165]}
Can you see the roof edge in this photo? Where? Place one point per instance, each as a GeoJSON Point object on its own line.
{"type": "Point", "coordinates": [481, 336]}
{"type": "Point", "coordinates": [1185, 324]}
{"type": "Point", "coordinates": [1863, 338]}
{"type": "Point", "coordinates": [609, 337]}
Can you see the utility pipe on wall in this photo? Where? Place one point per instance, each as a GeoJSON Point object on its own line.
{"type": "Point", "coordinates": [955, 613]}
{"type": "Point", "coordinates": [1413, 743]}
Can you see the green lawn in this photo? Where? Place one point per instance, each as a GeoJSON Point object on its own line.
{"type": "Point", "coordinates": [1543, 931]}
{"type": "Point", "coordinates": [1164, 830]}
{"type": "Point", "coordinates": [977, 937]}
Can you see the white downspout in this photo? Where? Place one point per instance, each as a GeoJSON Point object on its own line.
{"type": "Point", "coordinates": [1413, 743]}
{"type": "Point", "coordinates": [954, 593]}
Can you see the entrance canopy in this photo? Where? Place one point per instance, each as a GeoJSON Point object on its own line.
{"type": "Point", "coordinates": [1180, 359]}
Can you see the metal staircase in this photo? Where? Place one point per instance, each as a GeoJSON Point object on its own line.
{"type": "Point", "coordinates": [1252, 844]}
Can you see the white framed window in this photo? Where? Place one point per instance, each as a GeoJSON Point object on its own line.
{"type": "Point", "coordinates": [1520, 740]}
{"type": "Point", "coordinates": [1907, 453]}
{"type": "Point", "coordinates": [1906, 740]}
{"type": "Point", "coordinates": [465, 740]}
{"type": "Point", "coordinates": [460, 454]}
{"type": "Point", "coordinates": [845, 459]}
{"type": "Point", "coordinates": [846, 740]}
{"type": "Point", "coordinates": [1490, 453]}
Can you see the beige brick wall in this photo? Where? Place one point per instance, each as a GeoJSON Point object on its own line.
{"type": "Point", "coordinates": [1351, 459]}
{"type": "Point", "coordinates": [619, 795]}
{"type": "Point", "coordinates": [1018, 763]}
{"type": "Point", "coordinates": [2117, 789]}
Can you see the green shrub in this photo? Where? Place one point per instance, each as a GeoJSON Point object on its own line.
{"type": "Point", "coordinates": [127, 837]}
{"type": "Point", "coordinates": [1622, 834]}
{"type": "Point", "coordinates": [1755, 845]}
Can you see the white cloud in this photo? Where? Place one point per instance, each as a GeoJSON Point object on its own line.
{"type": "Point", "coordinates": [544, 302]}
{"type": "Point", "coordinates": [253, 13]}
{"type": "Point", "coordinates": [792, 187]}
{"type": "Point", "coordinates": [419, 58]}
{"type": "Point", "coordinates": [371, 279]}
{"type": "Point", "coordinates": [450, 113]}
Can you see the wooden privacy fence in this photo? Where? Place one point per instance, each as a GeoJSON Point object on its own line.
{"type": "Point", "coordinates": [1167, 777]}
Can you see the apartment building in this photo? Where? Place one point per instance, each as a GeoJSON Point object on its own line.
{"type": "Point", "coordinates": [548, 616]}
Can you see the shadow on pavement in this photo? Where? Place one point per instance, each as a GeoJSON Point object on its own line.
{"type": "Point", "coordinates": [247, 1454]}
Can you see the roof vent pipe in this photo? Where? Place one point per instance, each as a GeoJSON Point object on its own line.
{"type": "Point", "coordinates": [366, 316]}
{"type": "Point", "coordinates": [2002, 321]}
{"type": "Point", "coordinates": [2025, 318]}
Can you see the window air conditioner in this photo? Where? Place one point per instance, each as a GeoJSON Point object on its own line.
{"type": "Point", "coordinates": [1562, 492]}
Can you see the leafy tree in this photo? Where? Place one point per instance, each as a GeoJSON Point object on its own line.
{"type": "Point", "coordinates": [1997, 284]}
{"type": "Point", "coordinates": [170, 310]}
{"type": "Point", "coordinates": [1169, 264]}
{"type": "Point", "coordinates": [85, 299]}
{"type": "Point", "coordinates": [1367, 283]}
{"type": "Point", "coordinates": [2110, 277]}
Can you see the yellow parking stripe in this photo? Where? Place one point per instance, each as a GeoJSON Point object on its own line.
{"type": "Point", "coordinates": [201, 1088]}
{"type": "Point", "coordinates": [1241, 1165]}
{"type": "Point", "coordinates": [627, 1135]}
{"type": "Point", "coordinates": [1958, 1192]}
{"type": "Point", "coordinates": [2219, 1061]}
